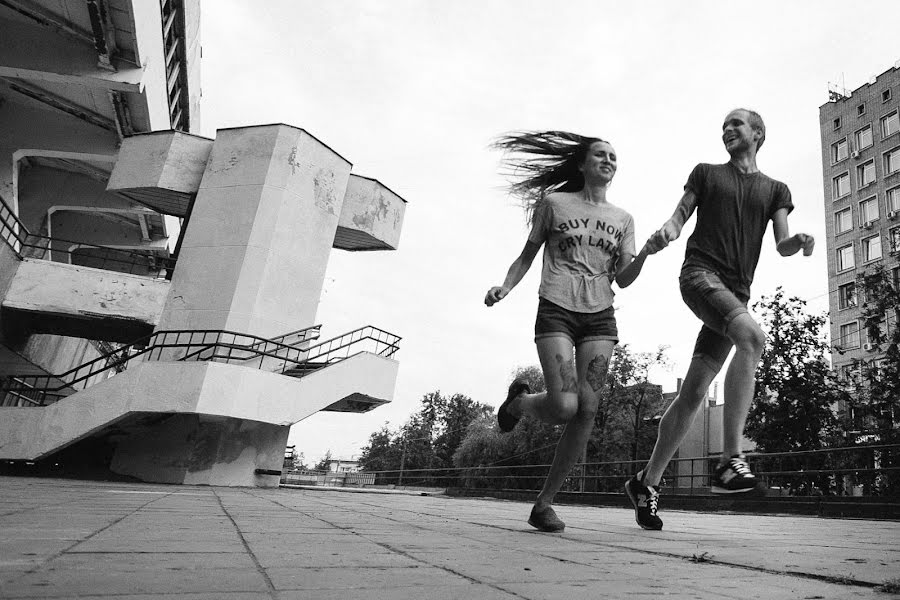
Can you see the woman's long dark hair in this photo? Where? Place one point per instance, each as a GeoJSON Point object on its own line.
{"type": "Point", "coordinates": [541, 162]}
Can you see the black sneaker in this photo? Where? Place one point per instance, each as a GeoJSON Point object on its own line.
{"type": "Point", "coordinates": [506, 419]}
{"type": "Point", "coordinates": [734, 477]}
{"type": "Point", "coordinates": [545, 520]}
{"type": "Point", "coordinates": [645, 500]}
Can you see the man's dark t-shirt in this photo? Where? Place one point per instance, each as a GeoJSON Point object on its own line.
{"type": "Point", "coordinates": [733, 212]}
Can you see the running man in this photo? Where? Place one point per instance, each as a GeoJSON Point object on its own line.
{"type": "Point", "coordinates": [734, 203]}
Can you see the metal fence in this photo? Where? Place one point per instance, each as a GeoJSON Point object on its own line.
{"type": "Point", "coordinates": [328, 478]}
{"type": "Point", "coordinates": [849, 471]}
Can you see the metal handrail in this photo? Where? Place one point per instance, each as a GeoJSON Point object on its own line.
{"type": "Point", "coordinates": [872, 471]}
{"type": "Point", "coordinates": [32, 245]}
{"type": "Point", "coordinates": [325, 349]}
{"type": "Point", "coordinates": [194, 345]}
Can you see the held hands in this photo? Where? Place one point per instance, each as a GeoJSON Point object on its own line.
{"type": "Point", "coordinates": [659, 240]}
{"type": "Point", "coordinates": [798, 241]}
{"type": "Point", "coordinates": [495, 295]}
{"type": "Point", "coordinates": [807, 243]}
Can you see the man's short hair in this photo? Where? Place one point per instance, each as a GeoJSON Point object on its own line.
{"type": "Point", "coordinates": [755, 121]}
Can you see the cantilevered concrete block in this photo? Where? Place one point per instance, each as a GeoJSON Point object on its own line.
{"type": "Point", "coordinates": [371, 218]}
{"type": "Point", "coordinates": [162, 170]}
{"type": "Point", "coordinates": [255, 250]}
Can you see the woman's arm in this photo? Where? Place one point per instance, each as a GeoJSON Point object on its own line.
{"type": "Point", "coordinates": [629, 267]}
{"type": "Point", "coordinates": [515, 274]}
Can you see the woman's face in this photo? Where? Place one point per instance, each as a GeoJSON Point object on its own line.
{"type": "Point", "coordinates": [600, 163]}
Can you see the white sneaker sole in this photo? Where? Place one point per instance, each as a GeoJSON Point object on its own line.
{"type": "Point", "coordinates": [720, 490]}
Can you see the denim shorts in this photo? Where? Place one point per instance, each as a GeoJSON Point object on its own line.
{"type": "Point", "coordinates": [555, 321]}
{"type": "Point", "coordinates": [716, 305]}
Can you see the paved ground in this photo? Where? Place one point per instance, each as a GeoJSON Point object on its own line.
{"type": "Point", "coordinates": [76, 539]}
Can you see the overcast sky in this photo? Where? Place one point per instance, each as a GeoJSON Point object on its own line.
{"type": "Point", "coordinates": [412, 92]}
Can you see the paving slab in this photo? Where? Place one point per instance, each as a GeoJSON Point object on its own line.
{"type": "Point", "coordinates": [103, 540]}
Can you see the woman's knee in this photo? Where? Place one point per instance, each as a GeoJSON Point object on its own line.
{"type": "Point", "coordinates": [561, 407]}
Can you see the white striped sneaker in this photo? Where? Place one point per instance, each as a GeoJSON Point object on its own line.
{"type": "Point", "coordinates": [734, 477]}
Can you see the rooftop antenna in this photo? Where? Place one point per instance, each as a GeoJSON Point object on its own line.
{"type": "Point", "coordinates": [837, 92]}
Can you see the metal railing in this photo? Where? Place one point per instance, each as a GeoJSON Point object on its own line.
{"type": "Point", "coordinates": [30, 245]}
{"type": "Point", "coordinates": [328, 478]}
{"type": "Point", "coordinates": [872, 470]}
{"type": "Point", "coordinates": [294, 360]}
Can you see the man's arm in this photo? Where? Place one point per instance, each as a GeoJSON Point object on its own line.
{"type": "Point", "coordinates": [788, 244]}
{"type": "Point", "coordinates": [671, 229]}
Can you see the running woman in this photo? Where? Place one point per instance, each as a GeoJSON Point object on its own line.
{"type": "Point", "coordinates": [562, 179]}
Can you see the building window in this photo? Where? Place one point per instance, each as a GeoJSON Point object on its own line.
{"type": "Point", "coordinates": [864, 138]}
{"type": "Point", "coordinates": [848, 373]}
{"type": "Point", "coordinates": [865, 173]}
{"type": "Point", "coordinates": [892, 161]}
{"type": "Point", "coordinates": [871, 248]}
{"type": "Point", "coordinates": [836, 123]}
{"type": "Point", "coordinates": [843, 221]}
{"type": "Point", "coordinates": [890, 124]}
{"type": "Point", "coordinates": [847, 295]}
{"type": "Point", "coordinates": [886, 96]}
{"type": "Point", "coordinates": [893, 200]}
{"type": "Point", "coordinates": [840, 186]}
{"type": "Point", "coordinates": [868, 211]}
{"type": "Point", "coordinates": [849, 335]}
{"type": "Point", "coordinates": [894, 236]}
{"type": "Point", "coordinates": [861, 109]}
{"type": "Point", "coordinates": [876, 334]}
{"type": "Point", "coordinates": [895, 277]}
{"type": "Point", "coordinates": [845, 258]}
{"type": "Point", "coordinates": [839, 150]}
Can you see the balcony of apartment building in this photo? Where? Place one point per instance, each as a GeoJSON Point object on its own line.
{"type": "Point", "coordinates": [81, 267]}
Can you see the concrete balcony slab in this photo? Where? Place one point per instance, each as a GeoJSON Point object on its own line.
{"type": "Point", "coordinates": [80, 301]}
{"type": "Point", "coordinates": [161, 170]}
{"type": "Point", "coordinates": [371, 217]}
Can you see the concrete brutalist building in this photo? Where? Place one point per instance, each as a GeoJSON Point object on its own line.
{"type": "Point", "coordinates": [860, 133]}
{"type": "Point", "coordinates": [159, 288]}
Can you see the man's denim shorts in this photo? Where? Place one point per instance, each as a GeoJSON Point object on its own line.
{"type": "Point", "coordinates": [716, 305]}
{"type": "Point", "coordinates": [555, 321]}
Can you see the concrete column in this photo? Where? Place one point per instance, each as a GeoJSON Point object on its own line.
{"type": "Point", "coordinates": [203, 450]}
{"type": "Point", "coordinates": [256, 246]}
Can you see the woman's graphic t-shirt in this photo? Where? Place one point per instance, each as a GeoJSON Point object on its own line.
{"type": "Point", "coordinates": [582, 242]}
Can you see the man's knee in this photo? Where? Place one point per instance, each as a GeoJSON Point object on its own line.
{"type": "Point", "coordinates": [746, 334]}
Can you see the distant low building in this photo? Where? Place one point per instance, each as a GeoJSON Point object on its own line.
{"type": "Point", "coordinates": [342, 465]}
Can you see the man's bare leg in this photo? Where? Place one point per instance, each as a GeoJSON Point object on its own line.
{"type": "Point", "coordinates": [678, 417]}
{"type": "Point", "coordinates": [740, 381]}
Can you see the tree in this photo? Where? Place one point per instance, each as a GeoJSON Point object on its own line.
{"type": "Point", "coordinates": [325, 463]}
{"type": "Point", "coordinates": [880, 394]}
{"type": "Point", "coordinates": [796, 393]}
{"type": "Point", "coordinates": [492, 459]}
{"type": "Point", "coordinates": [630, 409]}
{"type": "Point", "coordinates": [426, 441]}
{"type": "Point", "coordinates": [380, 454]}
